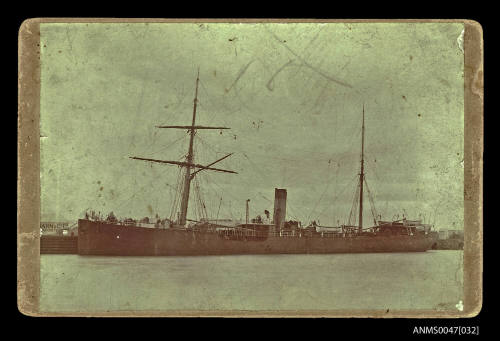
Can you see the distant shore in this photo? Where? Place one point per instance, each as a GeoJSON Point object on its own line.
{"type": "Point", "coordinates": [450, 244]}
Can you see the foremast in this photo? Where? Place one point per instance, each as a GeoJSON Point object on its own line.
{"type": "Point", "coordinates": [189, 160]}
{"type": "Point", "coordinates": [362, 172]}
{"type": "Point", "coordinates": [189, 164]}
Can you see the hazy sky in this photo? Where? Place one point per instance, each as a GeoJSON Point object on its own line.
{"type": "Point", "coordinates": [293, 96]}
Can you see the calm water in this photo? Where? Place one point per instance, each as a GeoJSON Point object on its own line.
{"type": "Point", "coordinates": [430, 280]}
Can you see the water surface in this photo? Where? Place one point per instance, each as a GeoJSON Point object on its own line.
{"type": "Point", "coordinates": [428, 280]}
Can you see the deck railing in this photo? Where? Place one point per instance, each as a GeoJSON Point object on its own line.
{"type": "Point", "coordinates": [243, 232]}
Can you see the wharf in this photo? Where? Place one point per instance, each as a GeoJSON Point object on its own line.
{"type": "Point", "coordinates": [58, 245]}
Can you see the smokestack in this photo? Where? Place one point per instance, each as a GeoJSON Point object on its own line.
{"type": "Point", "coordinates": [247, 211]}
{"type": "Point", "coordinates": [279, 207]}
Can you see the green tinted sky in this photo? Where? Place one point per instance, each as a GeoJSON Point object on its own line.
{"type": "Point", "coordinates": [293, 96]}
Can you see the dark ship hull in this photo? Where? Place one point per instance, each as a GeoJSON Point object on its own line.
{"type": "Point", "coordinates": [101, 238]}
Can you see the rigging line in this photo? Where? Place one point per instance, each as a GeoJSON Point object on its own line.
{"type": "Point", "coordinates": [175, 202]}
{"type": "Point", "coordinates": [249, 185]}
{"type": "Point", "coordinates": [336, 185]}
{"type": "Point", "coordinates": [154, 138]}
{"type": "Point", "coordinates": [352, 214]}
{"type": "Point", "coordinates": [217, 217]}
{"type": "Point", "coordinates": [255, 167]}
{"type": "Point", "coordinates": [213, 104]}
{"type": "Point", "coordinates": [210, 187]}
{"type": "Point", "coordinates": [197, 206]}
{"type": "Point", "coordinates": [292, 211]}
{"type": "Point", "coordinates": [194, 189]}
{"type": "Point", "coordinates": [70, 159]}
{"type": "Point", "coordinates": [347, 184]}
{"type": "Point", "coordinates": [216, 184]}
{"type": "Point", "coordinates": [262, 195]}
{"type": "Point", "coordinates": [135, 193]}
{"type": "Point", "coordinates": [214, 202]}
{"type": "Point", "coordinates": [353, 135]}
{"type": "Point", "coordinates": [237, 199]}
{"type": "Point", "coordinates": [202, 105]}
{"type": "Point", "coordinates": [209, 147]}
{"type": "Point", "coordinates": [203, 192]}
{"type": "Point", "coordinates": [229, 209]}
{"type": "Point", "coordinates": [372, 203]}
{"type": "Point", "coordinates": [263, 155]}
{"type": "Point", "coordinates": [194, 198]}
{"type": "Point", "coordinates": [170, 145]}
{"type": "Point", "coordinates": [226, 109]}
{"type": "Point", "coordinates": [206, 144]}
{"type": "Point", "coordinates": [370, 195]}
{"type": "Point", "coordinates": [174, 113]}
{"type": "Point", "coordinates": [354, 206]}
{"type": "Point", "coordinates": [321, 197]}
{"type": "Point", "coordinates": [201, 196]}
{"type": "Point", "coordinates": [201, 180]}
{"type": "Point", "coordinates": [209, 96]}
{"type": "Point", "coordinates": [374, 168]}
{"type": "Point", "coordinates": [172, 195]}
{"type": "Point", "coordinates": [325, 159]}
{"type": "Point", "coordinates": [174, 199]}
{"type": "Point", "coordinates": [180, 191]}
{"type": "Point", "coordinates": [258, 170]}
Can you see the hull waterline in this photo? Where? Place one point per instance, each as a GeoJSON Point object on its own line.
{"type": "Point", "coordinates": [100, 238]}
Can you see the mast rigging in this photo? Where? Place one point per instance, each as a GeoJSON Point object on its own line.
{"type": "Point", "coordinates": [362, 173]}
{"type": "Point", "coordinates": [189, 163]}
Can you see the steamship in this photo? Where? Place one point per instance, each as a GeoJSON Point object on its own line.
{"type": "Point", "coordinates": [182, 237]}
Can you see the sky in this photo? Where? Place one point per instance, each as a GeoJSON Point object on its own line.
{"type": "Point", "coordinates": [293, 96]}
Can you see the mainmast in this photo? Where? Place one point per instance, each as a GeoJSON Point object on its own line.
{"type": "Point", "coordinates": [362, 172]}
{"type": "Point", "coordinates": [189, 165]}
